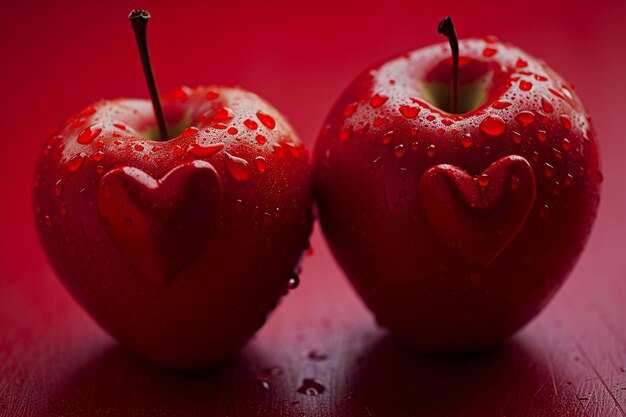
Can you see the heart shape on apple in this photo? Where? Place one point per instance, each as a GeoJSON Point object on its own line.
{"type": "Point", "coordinates": [478, 216]}
{"type": "Point", "coordinates": [160, 225]}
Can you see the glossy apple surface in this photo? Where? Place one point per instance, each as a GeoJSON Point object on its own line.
{"type": "Point", "coordinates": [456, 229]}
{"type": "Point", "coordinates": [178, 248]}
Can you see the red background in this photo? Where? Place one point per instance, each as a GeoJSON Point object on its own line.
{"type": "Point", "coordinates": [299, 56]}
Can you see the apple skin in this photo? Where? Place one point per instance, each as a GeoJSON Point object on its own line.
{"type": "Point", "coordinates": [375, 193]}
{"type": "Point", "coordinates": [252, 223]}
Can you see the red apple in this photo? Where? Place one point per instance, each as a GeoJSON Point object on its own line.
{"type": "Point", "coordinates": [178, 248]}
{"type": "Point", "coordinates": [457, 227]}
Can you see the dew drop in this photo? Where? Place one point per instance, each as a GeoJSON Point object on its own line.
{"type": "Point", "coordinates": [261, 140]}
{"type": "Point", "coordinates": [517, 138]}
{"type": "Point", "coordinates": [376, 163]}
{"type": "Point", "coordinates": [525, 85]}
{"type": "Point", "coordinates": [293, 282]}
{"type": "Point", "coordinates": [212, 95]}
{"type": "Point", "coordinates": [540, 77]}
{"type": "Point", "coordinates": [58, 188]}
{"type": "Point", "coordinates": [138, 148]}
{"type": "Point", "coordinates": [378, 121]}
{"type": "Point", "coordinates": [63, 209]}
{"type": "Point", "coordinates": [410, 112]}
{"type": "Point", "coordinates": [566, 145]}
{"type": "Point", "coordinates": [501, 104]}
{"type": "Point", "coordinates": [119, 126]}
{"type": "Point", "coordinates": [267, 120]}
{"type": "Point", "coordinates": [47, 220]}
{"type": "Point", "coordinates": [447, 122]}
{"type": "Point", "coordinates": [239, 168]}
{"type": "Point", "coordinates": [233, 131]}
{"type": "Point", "coordinates": [521, 63]}
{"type": "Point", "coordinates": [76, 162]}
{"type": "Point", "coordinates": [567, 124]}
{"type": "Point", "coordinates": [467, 140]}
{"type": "Point", "coordinates": [345, 133]}
{"type": "Point", "coordinates": [483, 180]}
{"type": "Point", "coordinates": [514, 184]}
{"type": "Point", "coordinates": [542, 135]}
{"type": "Point", "coordinates": [349, 110]}
{"type": "Point", "coordinates": [526, 118]}
{"type": "Point", "coordinates": [224, 114]}
{"type": "Point", "coordinates": [398, 151]}
{"type": "Point", "coordinates": [204, 151]}
{"type": "Point", "coordinates": [251, 124]}
{"type": "Point", "coordinates": [190, 131]}
{"type": "Point", "coordinates": [311, 387]}
{"type": "Point", "coordinates": [378, 100]}
{"type": "Point", "coordinates": [488, 52]}
{"type": "Point", "coordinates": [493, 125]}
{"type": "Point", "coordinates": [261, 164]}
{"type": "Point", "coordinates": [387, 137]}
{"type": "Point", "coordinates": [261, 383]}
{"type": "Point", "coordinates": [548, 170]}
{"type": "Point", "coordinates": [88, 135]}
{"type": "Point", "coordinates": [546, 105]}
{"type": "Point", "coordinates": [280, 152]}
{"type": "Point", "coordinates": [431, 150]}
{"type": "Point", "coordinates": [544, 212]}
{"type": "Point", "coordinates": [569, 180]}
{"type": "Point", "coordinates": [430, 117]}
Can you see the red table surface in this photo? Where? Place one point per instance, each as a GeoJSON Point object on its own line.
{"type": "Point", "coordinates": [570, 361]}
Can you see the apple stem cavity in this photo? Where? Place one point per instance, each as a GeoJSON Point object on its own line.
{"type": "Point", "coordinates": [139, 20]}
{"type": "Point", "coordinates": [446, 28]}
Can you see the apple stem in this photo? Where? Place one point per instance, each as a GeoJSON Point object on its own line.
{"type": "Point", "coordinates": [139, 20]}
{"type": "Point", "coordinates": [446, 28]}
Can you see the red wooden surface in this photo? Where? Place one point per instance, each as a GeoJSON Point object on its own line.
{"type": "Point", "coordinates": [55, 361]}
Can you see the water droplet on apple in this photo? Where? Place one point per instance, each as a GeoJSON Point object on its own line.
{"type": "Point", "coordinates": [76, 162]}
{"type": "Point", "coordinates": [63, 209]}
{"type": "Point", "coordinates": [598, 178]}
{"type": "Point", "coordinates": [191, 130]}
{"type": "Point", "coordinates": [267, 120]}
{"type": "Point", "coordinates": [376, 163]}
{"type": "Point", "coordinates": [349, 110]}
{"type": "Point", "coordinates": [467, 140]}
{"type": "Point", "coordinates": [293, 282]}
{"type": "Point", "coordinates": [47, 220]}
{"type": "Point", "coordinates": [261, 140]}
{"type": "Point", "coordinates": [398, 151]}
{"type": "Point", "coordinates": [540, 77]}
{"type": "Point", "coordinates": [410, 112]}
{"type": "Point", "coordinates": [525, 85]}
{"type": "Point", "coordinates": [548, 170]}
{"type": "Point", "coordinates": [544, 212]}
{"type": "Point", "coordinates": [58, 188]}
{"type": "Point", "coordinates": [311, 387]}
{"type": "Point", "coordinates": [345, 133]}
{"type": "Point", "coordinates": [387, 137]}
{"type": "Point", "coordinates": [493, 125]}
{"type": "Point", "coordinates": [205, 151]}
{"type": "Point", "coordinates": [212, 95]}
{"type": "Point", "coordinates": [517, 138]}
{"type": "Point", "coordinates": [514, 184]}
{"type": "Point", "coordinates": [546, 105]}
{"type": "Point", "coordinates": [378, 100]}
{"type": "Point", "coordinates": [233, 131]}
{"type": "Point", "coordinates": [521, 63]}
{"type": "Point", "coordinates": [526, 118]}
{"type": "Point", "coordinates": [88, 135]}
{"type": "Point", "coordinates": [542, 135]}
{"type": "Point", "coordinates": [569, 180]}
{"type": "Point", "coordinates": [239, 168]}
{"type": "Point", "coordinates": [483, 180]}
{"type": "Point", "coordinates": [261, 164]}
{"type": "Point", "coordinates": [566, 144]}
{"type": "Point", "coordinates": [431, 150]}
{"type": "Point", "coordinates": [489, 52]}
{"type": "Point", "coordinates": [501, 104]}
{"type": "Point", "coordinates": [567, 124]}
{"type": "Point", "coordinates": [224, 114]}
{"type": "Point", "coordinates": [251, 124]}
